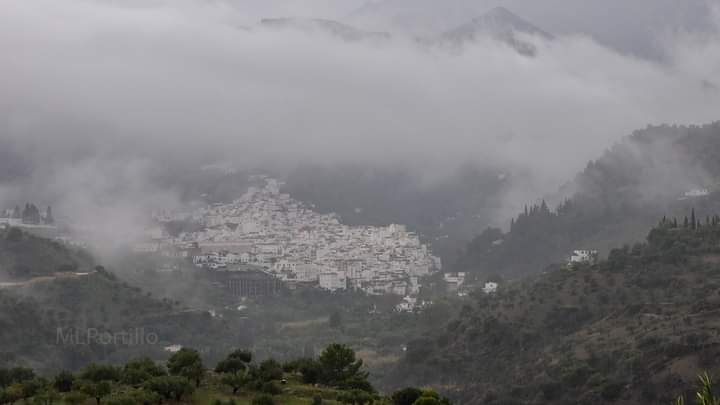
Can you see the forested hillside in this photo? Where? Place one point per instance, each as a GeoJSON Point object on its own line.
{"type": "Point", "coordinates": [612, 202]}
{"type": "Point", "coordinates": [40, 313]}
{"type": "Point", "coordinates": [23, 256]}
{"type": "Point", "coordinates": [446, 211]}
{"type": "Point", "coordinates": [636, 328]}
{"type": "Point", "coordinates": [51, 310]}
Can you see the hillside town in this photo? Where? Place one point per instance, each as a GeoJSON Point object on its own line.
{"type": "Point", "coordinates": [269, 230]}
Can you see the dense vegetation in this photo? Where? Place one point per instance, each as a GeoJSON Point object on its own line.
{"type": "Point", "coordinates": [300, 322]}
{"type": "Point", "coordinates": [23, 256]}
{"type": "Point", "coordinates": [40, 312]}
{"type": "Point", "coordinates": [613, 201]}
{"type": "Point", "coordinates": [446, 210]}
{"type": "Point", "coordinates": [180, 306]}
{"type": "Point", "coordinates": [635, 328]}
{"type": "Point", "coordinates": [336, 377]}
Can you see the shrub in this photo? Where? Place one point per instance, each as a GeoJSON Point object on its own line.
{"type": "Point", "coordinates": [310, 370]}
{"type": "Point", "coordinates": [14, 235]}
{"type": "Point", "coordinates": [406, 396]}
{"type": "Point", "coordinates": [63, 381]}
{"type": "Point", "coordinates": [100, 372]}
{"type": "Point", "coordinates": [270, 370]}
{"type": "Point", "coordinates": [576, 376]}
{"type": "Point", "coordinates": [611, 391]}
{"type": "Point", "coordinates": [271, 388]}
{"type": "Point", "coordinates": [263, 399]}
{"type": "Point", "coordinates": [357, 383]}
{"type": "Point", "coordinates": [186, 363]}
{"type": "Point", "coordinates": [427, 401]}
{"type": "Point", "coordinates": [74, 397]}
{"type": "Point", "coordinates": [551, 390]}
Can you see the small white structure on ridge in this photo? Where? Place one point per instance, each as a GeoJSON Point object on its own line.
{"type": "Point", "coordinates": [490, 287]}
{"type": "Point", "coordinates": [584, 256]}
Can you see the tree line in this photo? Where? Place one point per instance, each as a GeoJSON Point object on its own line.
{"type": "Point", "coordinates": [144, 381]}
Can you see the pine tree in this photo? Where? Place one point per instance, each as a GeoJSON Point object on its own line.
{"type": "Point", "coordinates": [26, 214]}
{"type": "Point", "coordinates": [544, 207]}
{"type": "Point", "coordinates": [693, 220]}
{"type": "Point", "coordinates": [49, 220]}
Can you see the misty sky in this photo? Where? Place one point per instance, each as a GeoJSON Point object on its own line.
{"type": "Point", "coordinates": [632, 26]}
{"type": "Point", "coordinates": [92, 92]}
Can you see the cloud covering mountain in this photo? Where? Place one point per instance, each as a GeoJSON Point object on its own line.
{"type": "Point", "coordinates": [93, 94]}
{"type": "Point", "coordinates": [636, 27]}
{"type": "Point", "coordinates": [499, 24]}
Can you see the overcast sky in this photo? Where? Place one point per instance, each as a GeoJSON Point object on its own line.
{"type": "Point", "coordinates": [106, 88]}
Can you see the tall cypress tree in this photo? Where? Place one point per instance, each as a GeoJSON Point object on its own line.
{"type": "Point", "coordinates": [49, 216]}
{"type": "Point", "coordinates": [544, 207]}
{"type": "Point", "coordinates": [693, 220]}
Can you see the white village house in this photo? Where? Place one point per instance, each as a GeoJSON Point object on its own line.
{"type": "Point", "coordinates": [584, 256]}
{"type": "Point", "coordinates": [490, 287]}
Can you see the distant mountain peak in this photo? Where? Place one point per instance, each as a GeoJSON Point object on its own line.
{"type": "Point", "coordinates": [501, 11]}
{"type": "Point", "coordinates": [500, 20]}
{"type": "Point", "coordinates": [500, 24]}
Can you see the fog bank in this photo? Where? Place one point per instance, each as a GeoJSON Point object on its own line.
{"type": "Point", "coordinates": [95, 93]}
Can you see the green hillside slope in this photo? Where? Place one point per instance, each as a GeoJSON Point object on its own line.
{"type": "Point", "coordinates": [613, 201]}
{"type": "Point", "coordinates": [637, 328]}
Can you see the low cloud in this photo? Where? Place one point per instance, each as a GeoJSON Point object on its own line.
{"type": "Point", "coordinates": [97, 93]}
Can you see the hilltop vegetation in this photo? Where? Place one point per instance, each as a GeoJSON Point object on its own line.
{"type": "Point", "coordinates": [23, 255]}
{"type": "Point", "coordinates": [612, 202]}
{"type": "Point", "coordinates": [335, 377]}
{"type": "Point", "coordinates": [63, 294]}
{"type": "Point", "coordinates": [45, 324]}
{"type": "Point", "coordinates": [635, 328]}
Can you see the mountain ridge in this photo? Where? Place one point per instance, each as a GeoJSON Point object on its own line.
{"type": "Point", "coordinates": [336, 28]}
{"type": "Point", "coordinates": [629, 329]}
{"type": "Point", "coordinates": [499, 24]}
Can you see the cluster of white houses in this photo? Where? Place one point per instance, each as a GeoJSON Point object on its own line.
{"type": "Point", "coordinates": [584, 256]}
{"type": "Point", "coordinates": [270, 230]}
